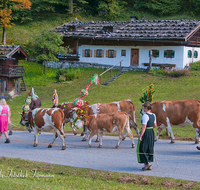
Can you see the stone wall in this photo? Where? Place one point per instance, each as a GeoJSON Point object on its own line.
{"type": "Point", "coordinates": [74, 64]}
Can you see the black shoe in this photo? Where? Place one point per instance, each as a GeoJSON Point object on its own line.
{"type": "Point", "coordinates": [198, 147]}
{"type": "Point", "coordinates": [7, 141]}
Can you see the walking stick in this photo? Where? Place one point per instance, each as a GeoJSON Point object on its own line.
{"type": "Point", "coordinates": [155, 156]}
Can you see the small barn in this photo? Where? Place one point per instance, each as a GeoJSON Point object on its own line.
{"type": "Point", "coordinates": [168, 42]}
{"type": "Point", "coordinates": [11, 74]}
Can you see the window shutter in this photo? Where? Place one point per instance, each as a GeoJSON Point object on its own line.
{"type": "Point", "coordinates": [157, 53]}
{"type": "Point", "coordinates": [90, 53]}
{"type": "Point", "coordinates": [102, 53]}
{"type": "Point", "coordinates": [83, 53]}
{"type": "Point", "coordinates": [149, 53]}
{"type": "Point", "coordinates": [106, 53]}
{"type": "Point", "coordinates": [197, 54]}
{"type": "Point", "coordinates": [165, 53]}
{"type": "Point", "coordinates": [190, 53]}
{"type": "Point", "coordinates": [95, 53]}
{"type": "Point", "coordinates": [114, 53]}
{"type": "Point", "coordinates": [194, 54]}
{"type": "Point", "coordinates": [173, 53]}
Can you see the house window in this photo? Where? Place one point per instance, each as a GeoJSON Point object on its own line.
{"type": "Point", "coordinates": [123, 53]}
{"type": "Point", "coordinates": [99, 53]}
{"type": "Point", "coordinates": [87, 53]}
{"type": "Point", "coordinates": [169, 53]}
{"type": "Point", "coordinates": [155, 53]}
{"type": "Point", "coordinates": [189, 54]}
{"type": "Point", "coordinates": [195, 54]}
{"type": "Point", "coordinates": [111, 53]}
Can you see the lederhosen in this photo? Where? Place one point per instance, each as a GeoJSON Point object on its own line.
{"type": "Point", "coordinates": [145, 148]}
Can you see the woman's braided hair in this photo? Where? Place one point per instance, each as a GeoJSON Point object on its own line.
{"type": "Point", "coordinates": [147, 105]}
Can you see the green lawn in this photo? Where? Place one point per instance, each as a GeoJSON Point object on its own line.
{"type": "Point", "coordinates": [128, 86]}
{"type": "Point", "coordinates": [22, 174]}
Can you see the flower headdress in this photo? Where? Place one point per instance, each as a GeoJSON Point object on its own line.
{"type": "Point", "coordinates": [81, 113]}
{"type": "Point", "coordinates": [78, 102]}
{"type": "Point", "coordinates": [55, 98]}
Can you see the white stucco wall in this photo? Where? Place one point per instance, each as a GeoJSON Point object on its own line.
{"type": "Point", "coordinates": [187, 60]}
{"type": "Point", "coordinates": [180, 58]}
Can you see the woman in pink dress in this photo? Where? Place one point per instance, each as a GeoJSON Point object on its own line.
{"type": "Point", "coordinates": [4, 111]}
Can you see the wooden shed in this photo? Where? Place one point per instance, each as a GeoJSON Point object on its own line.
{"type": "Point", "coordinates": [12, 74]}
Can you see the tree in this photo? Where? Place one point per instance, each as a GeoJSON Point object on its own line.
{"type": "Point", "coordinates": [47, 46]}
{"type": "Point", "coordinates": [5, 14]}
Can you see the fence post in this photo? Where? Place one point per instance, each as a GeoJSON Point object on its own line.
{"type": "Point", "coordinates": [15, 86]}
{"type": "Point", "coordinates": [101, 79]}
{"type": "Point", "coordinates": [110, 72]}
{"type": "Point", "coordinates": [120, 65]}
{"type": "Point", "coordinates": [19, 87]}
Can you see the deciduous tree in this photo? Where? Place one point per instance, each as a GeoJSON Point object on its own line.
{"type": "Point", "coordinates": [5, 14]}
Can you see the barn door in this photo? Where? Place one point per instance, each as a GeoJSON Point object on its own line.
{"type": "Point", "coordinates": [134, 57]}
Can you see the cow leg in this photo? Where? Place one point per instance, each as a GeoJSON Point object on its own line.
{"type": "Point", "coordinates": [73, 128]}
{"type": "Point", "coordinates": [100, 135]}
{"type": "Point", "coordinates": [86, 135]}
{"type": "Point", "coordinates": [169, 129]}
{"type": "Point", "coordinates": [120, 133]}
{"type": "Point", "coordinates": [35, 137]}
{"type": "Point", "coordinates": [98, 138]}
{"type": "Point", "coordinates": [61, 135]}
{"type": "Point", "coordinates": [134, 125]}
{"type": "Point", "coordinates": [130, 134]}
{"type": "Point", "coordinates": [55, 135]}
{"type": "Point", "coordinates": [197, 137]}
{"type": "Point", "coordinates": [90, 137]}
{"type": "Point", "coordinates": [62, 129]}
{"type": "Point", "coordinates": [158, 133]}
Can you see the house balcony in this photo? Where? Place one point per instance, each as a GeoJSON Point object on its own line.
{"type": "Point", "coordinates": [12, 71]}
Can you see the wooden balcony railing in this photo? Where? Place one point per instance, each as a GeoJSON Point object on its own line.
{"type": "Point", "coordinates": [12, 71]}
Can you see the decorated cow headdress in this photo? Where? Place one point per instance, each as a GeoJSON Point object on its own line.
{"type": "Point", "coordinates": [78, 102]}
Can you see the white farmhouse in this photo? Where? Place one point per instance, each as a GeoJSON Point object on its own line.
{"type": "Point", "coordinates": [175, 42]}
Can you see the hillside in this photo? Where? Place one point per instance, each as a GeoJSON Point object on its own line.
{"type": "Point", "coordinates": [128, 86]}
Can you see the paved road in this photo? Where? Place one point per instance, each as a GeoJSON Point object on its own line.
{"type": "Point", "coordinates": [180, 160]}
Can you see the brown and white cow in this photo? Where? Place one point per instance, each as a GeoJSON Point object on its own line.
{"type": "Point", "coordinates": [107, 122]}
{"type": "Point", "coordinates": [123, 106]}
{"type": "Point", "coordinates": [177, 113]}
{"type": "Point", "coordinates": [45, 120]}
{"type": "Point", "coordinates": [67, 108]}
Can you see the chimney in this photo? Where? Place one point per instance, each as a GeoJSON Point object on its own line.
{"type": "Point", "coordinates": [134, 18]}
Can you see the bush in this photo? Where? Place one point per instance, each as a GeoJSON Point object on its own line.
{"type": "Point", "coordinates": [69, 74]}
{"type": "Point", "coordinates": [157, 72]}
{"type": "Point", "coordinates": [178, 73]}
{"type": "Point", "coordinates": [195, 66]}
{"type": "Point", "coordinates": [168, 72]}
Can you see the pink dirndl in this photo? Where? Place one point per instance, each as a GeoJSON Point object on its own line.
{"type": "Point", "coordinates": [4, 120]}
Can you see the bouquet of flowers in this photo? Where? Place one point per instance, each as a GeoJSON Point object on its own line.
{"type": "Point", "coordinates": [147, 95]}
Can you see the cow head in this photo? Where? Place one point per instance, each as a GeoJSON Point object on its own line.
{"type": "Point", "coordinates": [22, 122]}
{"type": "Point", "coordinates": [78, 115]}
{"type": "Point", "coordinates": [79, 123]}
